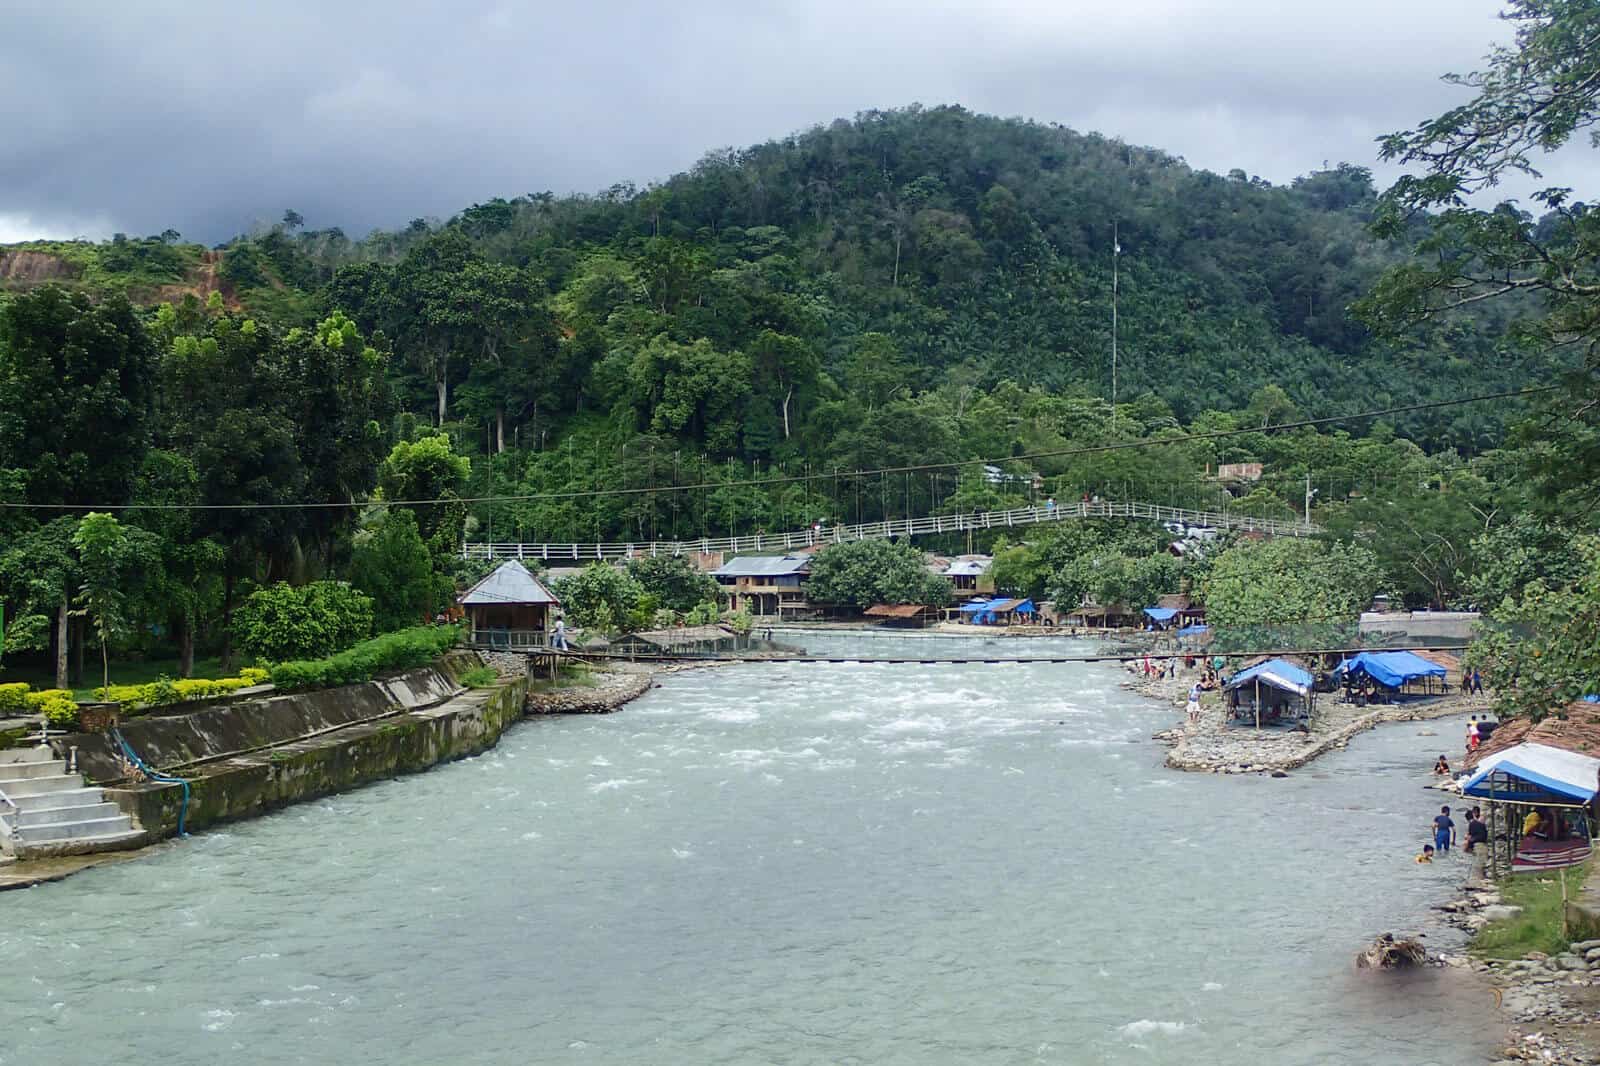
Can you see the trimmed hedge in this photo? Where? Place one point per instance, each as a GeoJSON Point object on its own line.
{"type": "Point", "coordinates": [60, 708]}
{"type": "Point", "coordinates": [166, 691]}
{"type": "Point", "coordinates": [13, 697]}
{"type": "Point", "coordinates": [400, 650]}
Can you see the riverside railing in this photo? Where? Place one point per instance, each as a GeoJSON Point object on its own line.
{"type": "Point", "coordinates": [509, 639]}
{"type": "Point", "coordinates": [895, 527]}
{"type": "Point", "coordinates": [15, 826]}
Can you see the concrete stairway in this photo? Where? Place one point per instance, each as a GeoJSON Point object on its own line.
{"type": "Point", "coordinates": [44, 810]}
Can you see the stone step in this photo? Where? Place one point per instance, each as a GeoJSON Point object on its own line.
{"type": "Point", "coordinates": [26, 819]}
{"type": "Point", "coordinates": [18, 771]}
{"type": "Point", "coordinates": [72, 796]}
{"type": "Point", "coordinates": [112, 841]}
{"type": "Point", "coordinates": [76, 831]}
{"type": "Point", "coordinates": [33, 754]}
{"type": "Point", "coordinates": [31, 786]}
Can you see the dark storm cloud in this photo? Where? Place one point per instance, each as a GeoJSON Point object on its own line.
{"type": "Point", "coordinates": [207, 118]}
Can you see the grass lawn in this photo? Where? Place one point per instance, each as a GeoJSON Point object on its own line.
{"type": "Point", "coordinates": [136, 673]}
{"type": "Point", "coordinates": [1538, 927]}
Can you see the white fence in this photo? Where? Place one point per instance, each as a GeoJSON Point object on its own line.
{"type": "Point", "coordinates": [900, 527]}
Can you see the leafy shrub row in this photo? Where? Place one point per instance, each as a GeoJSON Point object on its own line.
{"type": "Point", "coordinates": [164, 691]}
{"type": "Point", "coordinates": [55, 704]}
{"type": "Point", "coordinates": [401, 650]}
{"type": "Point", "coordinates": [59, 707]}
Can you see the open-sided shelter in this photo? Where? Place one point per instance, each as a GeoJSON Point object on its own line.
{"type": "Point", "coordinates": [509, 609]}
{"type": "Point", "coordinates": [1552, 766]}
{"type": "Point", "coordinates": [1275, 690]}
{"type": "Point", "coordinates": [1394, 670]}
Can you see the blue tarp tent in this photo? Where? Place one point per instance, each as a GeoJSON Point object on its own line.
{"type": "Point", "coordinates": [1279, 673]}
{"type": "Point", "coordinates": [1194, 631]}
{"type": "Point", "coordinates": [1536, 773]}
{"type": "Point", "coordinates": [989, 612]}
{"type": "Point", "coordinates": [1161, 614]}
{"type": "Point", "coordinates": [1391, 668]}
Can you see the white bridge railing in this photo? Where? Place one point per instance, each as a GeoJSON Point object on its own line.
{"type": "Point", "coordinates": [896, 527]}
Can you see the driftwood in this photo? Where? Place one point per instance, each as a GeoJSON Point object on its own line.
{"type": "Point", "coordinates": [1387, 953]}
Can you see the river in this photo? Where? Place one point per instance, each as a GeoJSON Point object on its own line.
{"type": "Point", "coordinates": [795, 863]}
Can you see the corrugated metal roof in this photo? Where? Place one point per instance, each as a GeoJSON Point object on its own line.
{"type": "Point", "coordinates": [509, 583]}
{"type": "Point", "coordinates": [764, 566]}
{"type": "Point", "coordinates": [968, 568]}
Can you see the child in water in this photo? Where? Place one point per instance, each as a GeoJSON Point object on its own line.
{"type": "Point", "coordinates": [1427, 853]}
{"type": "Point", "coordinates": [1442, 766]}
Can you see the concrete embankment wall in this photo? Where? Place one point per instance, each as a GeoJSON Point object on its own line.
{"type": "Point", "coordinates": [176, 737]}
{"type": "Point", "coordinates": [346, 759]}
{"type": "Point", "coordinates": [252, 756]}
{"type": "Point", "coordinates": [253, 784]}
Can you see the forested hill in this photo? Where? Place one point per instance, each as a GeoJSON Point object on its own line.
{"type": "Point", "coordinates": [890, 255]}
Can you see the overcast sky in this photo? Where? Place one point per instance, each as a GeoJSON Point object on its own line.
{"type": "Point", "coordinates": [209, 117]}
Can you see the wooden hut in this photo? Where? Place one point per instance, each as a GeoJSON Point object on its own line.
{"type": "Point", "coordinates": [509, 609]}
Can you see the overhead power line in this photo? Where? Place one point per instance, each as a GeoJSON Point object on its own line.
{"type": "Point", "coordinates": [1052, 453]}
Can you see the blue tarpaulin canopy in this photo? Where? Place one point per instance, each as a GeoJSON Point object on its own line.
{"type": "Point", "coordinates": [1161, 614]}
{"type": "Point", "coordinates": [1279, 673]}
{"type": "Point", "coordinates": [1194, 631]}
{"type": "Point", "coordinates": [1536, 773]}
{"type": "Point", "coordinates": [975, 606]}
{"type": "Point", "coordinates": [1391, 668]}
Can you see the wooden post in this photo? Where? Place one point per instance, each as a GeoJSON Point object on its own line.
{"type": "Point", "coordinates": [1258, 701]}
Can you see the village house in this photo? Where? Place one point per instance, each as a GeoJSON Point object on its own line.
{"type": "Point", "coordinates": [766, 585]}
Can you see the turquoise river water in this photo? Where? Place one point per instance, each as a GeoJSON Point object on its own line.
{"type": "Point", "coordinates": [797, 863]}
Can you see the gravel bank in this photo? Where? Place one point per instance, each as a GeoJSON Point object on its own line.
{"type": "Point", "coordinates": [1214, 746]}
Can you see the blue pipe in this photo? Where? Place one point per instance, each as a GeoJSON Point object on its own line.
{"type": "Point", "coordinates": [156, 775]}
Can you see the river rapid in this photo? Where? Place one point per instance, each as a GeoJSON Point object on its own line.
{"type": "Point", "coordinates": [794, 863]}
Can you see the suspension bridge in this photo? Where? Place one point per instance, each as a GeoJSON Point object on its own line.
{"type": "Point", "coordinates": [897, 527]}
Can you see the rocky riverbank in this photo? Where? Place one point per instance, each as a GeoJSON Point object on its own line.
{"type": "Point", "coordinates": [1213, 745]}
{"type": "Point", "coordinates": [606, 690]}
{"type": "Point", "coordinates": [1552, 1003]}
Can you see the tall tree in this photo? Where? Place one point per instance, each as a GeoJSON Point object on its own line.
{"type": "Point", "coordinates": [1531, 99]}
{"type": "Point", "coordinates": [76, 378]}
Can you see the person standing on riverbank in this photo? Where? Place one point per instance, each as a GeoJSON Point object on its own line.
{"type": "Point", "coordinates": [1477, 830]}
{"type": "Point", "coordinates": [1444, 830]}
{"type": "Point", "coordinates": [1194, 704]}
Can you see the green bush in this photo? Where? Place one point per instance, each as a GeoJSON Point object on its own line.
{"type": "Point", "coordinates": [164, 691]}
{"type": "Point", "coordinates": [401, 650]}
{"type": "Point", "coordinates": [480, 677]}
{"type": "Point", "coordinates": [13, 697]}
{"type": "Point", "coordinates": [286, 621]}
{"type": "Point", "coordinates": [57, 706]}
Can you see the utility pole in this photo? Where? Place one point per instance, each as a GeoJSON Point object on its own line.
{"type": "Point", "coordinates": [1116, 253]}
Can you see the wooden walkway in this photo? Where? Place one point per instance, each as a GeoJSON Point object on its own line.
{"type": "Point", "coordinates": [900, 527]}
